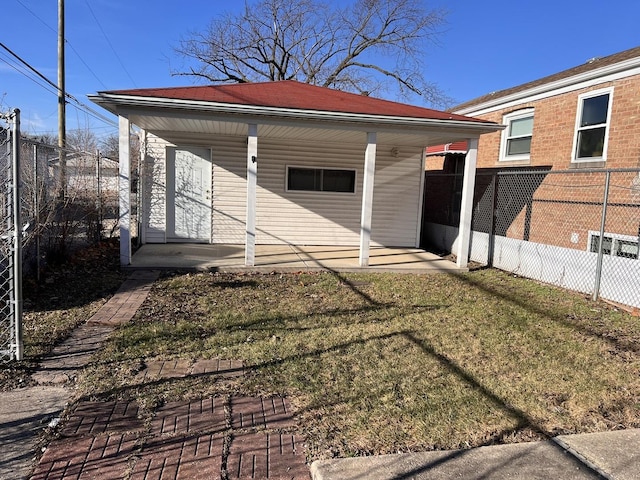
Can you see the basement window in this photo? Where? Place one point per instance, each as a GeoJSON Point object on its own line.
{"type": "Point", "coordinates": [614, 244]}
{"type": "Point", "coordinates": [305, 179]}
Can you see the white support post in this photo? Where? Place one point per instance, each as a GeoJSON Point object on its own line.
{"type": "Point", "coordinates": [252, 181]}
{"type": "Point", "coordinates": [124, 190]}
{"type": "Point", "coordinates": [367, 198]}
{"type": "Point", "coordinates": [466, 207]}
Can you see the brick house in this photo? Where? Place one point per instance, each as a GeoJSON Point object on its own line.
{"type": "Point", "coordinates": [573, 132]}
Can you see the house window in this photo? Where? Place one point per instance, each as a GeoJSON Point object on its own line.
{"type": "Point", "coordinates": [516, 138]}
{"type": "Point", "coordinates": [592, 126]}
{"type": "Point", "coordinates": [614, 244]}
{"type": "Point", "coordinates": [321, 180]}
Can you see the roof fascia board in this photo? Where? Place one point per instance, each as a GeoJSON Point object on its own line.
{"type": "Point", "coordinates": [127, 104]}
{"type": "Point", "coordinates": [457, 131]}
{"type": "Point", "coordinates": [576, 82]}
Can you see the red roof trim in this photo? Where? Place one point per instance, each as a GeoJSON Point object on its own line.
{"type": "Point", "coordinates": [443, 149]}
{"type": "Point", "coordinates": [290, 94]}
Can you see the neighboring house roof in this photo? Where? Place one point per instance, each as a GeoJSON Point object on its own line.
{"type": "Point", "coordinates": [290, 94]}
{"type": "Point", "coordinates": [455, 147]}
{"type": "Point", "coordinates": [626, 61]}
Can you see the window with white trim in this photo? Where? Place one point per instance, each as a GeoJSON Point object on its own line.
{"type": "Point", "coordinates": [308, 179]}
{"type": "Point", "coordinates": [592, 126]}
{"type": "Point", "coordinates": [515, 142]}
{"type": "Point", "coordinates": [614, 244]}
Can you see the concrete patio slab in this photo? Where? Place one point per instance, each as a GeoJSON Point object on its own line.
{"type": "Point", "coordinates": [616, 453]}
{"type": "Point", "coordinates": [255, 412]}
{"type": "Point", "coordinates": [288, 258]}
{"type": "Point", "coordinates": [523, 461]}
{"type": "Point", "coordinates": [95, 418]}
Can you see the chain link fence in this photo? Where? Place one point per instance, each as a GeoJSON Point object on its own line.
{"type": "Point", "coordinates": [52, 205]}
{"type": "Point", "coordinates": [577, 229]}
{"type": "Point", "coordinates": [10, 239]}
{"type": "Point", "coordinates": [66, 205]}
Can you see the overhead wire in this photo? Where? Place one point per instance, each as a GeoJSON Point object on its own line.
{"type": "Point", "coordinates": [110, 44]}
{"type": "Point", "coordinates": [67, 42]}
{"type": "Point", "coordinates": [49, 84]}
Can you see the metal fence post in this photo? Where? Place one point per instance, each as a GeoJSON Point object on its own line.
{"type": "Point", "coordinates": [36, 208]}
{"type": "Point", "coordinates": [492, 220]}
{"type": "Point", "coordinates": [17, 236]}
{"type": "Point", "coordinates": [605, 201]}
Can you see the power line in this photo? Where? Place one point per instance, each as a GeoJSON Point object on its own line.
{"type": "Point", "coordinates": [109, 43]}
{"type": "Point", "coordinates": [66, 42]}
{"type": "Point", "coordinates": [68, 97]}
{"type": "Point", "coordinates": [32, 69]}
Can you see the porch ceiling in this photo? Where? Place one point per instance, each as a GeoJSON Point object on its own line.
{"type": "Point", "coordinates": [198, 127]}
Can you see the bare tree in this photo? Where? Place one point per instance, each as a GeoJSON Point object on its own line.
{"type": "Point", "coordinates": [368, 47]}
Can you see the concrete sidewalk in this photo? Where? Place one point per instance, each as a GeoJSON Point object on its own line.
{"type": "Point", "coordinates": [608, 455]}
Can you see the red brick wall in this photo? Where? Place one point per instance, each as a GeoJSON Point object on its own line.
{"type": "Point", "coordinates": [554, 126]}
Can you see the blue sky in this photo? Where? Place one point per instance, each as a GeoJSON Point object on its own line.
{"type": "Point", "coordinates": [115, 44]}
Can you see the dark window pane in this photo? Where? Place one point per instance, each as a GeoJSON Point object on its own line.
{"type": "Point", "coordinates": [304, 179]}
{"type": "Point", "coordinates": [339, 181]}
{"type": "Point", "coordinates": [626, 249]}
{"type": "Point", "coordinates": [318, 179]}
{"type": "Point", "coordinates": [591, 142]}
{"type": "Point", "coordinates": [519, 146]}
{"type": "Point", "coordinates": [606, 244]}
{"type": "Point", "coordinates": [594, 110]}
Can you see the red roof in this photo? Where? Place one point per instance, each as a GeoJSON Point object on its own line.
{"type": "Point", "coordinates": [290, 94]}
{"type": "Point", "coordinates": [455, 147]}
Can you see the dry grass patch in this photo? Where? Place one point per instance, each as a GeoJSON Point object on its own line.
{"type": "Point", "coordinates": [380, 363]}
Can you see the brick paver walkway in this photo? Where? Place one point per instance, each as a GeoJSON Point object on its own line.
{"type": "Point", "coordinates": [214, 437]}
{"type": "Point", "coordinates": [63, 363]}
{"type": "Point", "coordinates": [226, 437]}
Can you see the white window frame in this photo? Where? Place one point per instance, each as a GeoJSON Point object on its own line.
{"type": "Point", "coordinates": [321, 192]}
{"type": "Point", "coordinates": [504, 139]}
{"type": "Point", "coordinates": [577, 129]}
{"type": "Point", "coordinates": [615, 237]}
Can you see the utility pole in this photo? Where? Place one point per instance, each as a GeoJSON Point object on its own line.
{"type": "Point", "coordinates": [62, 115]}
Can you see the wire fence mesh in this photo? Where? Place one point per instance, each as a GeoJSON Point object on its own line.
{"type": "Point", "coordinates": [10, 241]}
{"type": "Point", "coordinates": [576, 229]}
{"type": "Point", "coordinates": [62, 200]}
{"type": "Point", "coordinates": [65, 205]}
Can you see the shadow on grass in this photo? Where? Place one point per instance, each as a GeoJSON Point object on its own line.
{"type": "Point", "coordinates": [522, 419]}
{"type": "Point", "coordinates": [632, 346]}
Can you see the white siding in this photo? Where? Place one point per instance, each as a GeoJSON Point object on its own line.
{"type": "Point", "coordinates": [154, 216]}
{"type": "Point", "coordinates": [229, 189]}
{"type": "Point", "coordinates": [299, 218]}
{"type": "Point", "coordinates": [396, 198]}
{"type": "Point", "coordinates": [311, 218]}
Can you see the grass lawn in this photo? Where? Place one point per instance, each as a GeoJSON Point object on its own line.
{"type": "Point", "coordinates": [381, 363]}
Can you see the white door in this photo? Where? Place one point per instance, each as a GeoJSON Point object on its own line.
{"type": "Point", "coordinates": [189, 195]}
